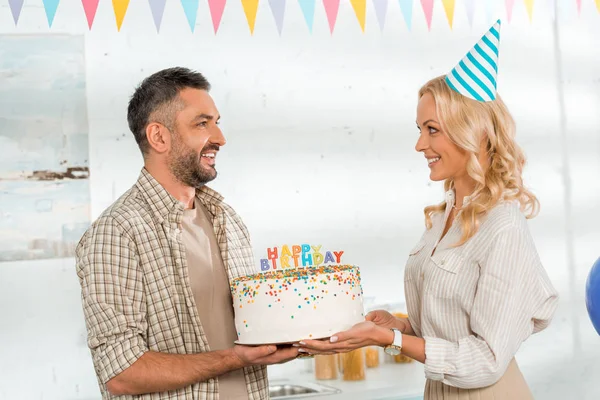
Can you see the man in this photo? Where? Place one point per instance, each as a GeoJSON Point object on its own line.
{"type": "Point", "coordinates": [155, 267]}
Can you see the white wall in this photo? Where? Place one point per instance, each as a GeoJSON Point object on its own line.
{"type": "Point", "coordinates": [321, 149]}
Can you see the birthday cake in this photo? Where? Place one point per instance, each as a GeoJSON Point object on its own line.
{"type": "Point", "coordinates": [285, 305]}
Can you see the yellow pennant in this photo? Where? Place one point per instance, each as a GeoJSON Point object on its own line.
{"type": "Point", "coordinates": [598, 5]}
{"type": "Point", "coordinates": [529, 7]}
{"type": "Point", "coordinates": [360, 9]}
{"type": "Point", "coordinates": [120, 8]}
{"type": "Point", "coordinates": [250, 9]}
{"type": "Point", "coordinates": [449, 8]}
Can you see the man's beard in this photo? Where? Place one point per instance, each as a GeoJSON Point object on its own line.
{"type": "Point", "coordinates": [185, 165]}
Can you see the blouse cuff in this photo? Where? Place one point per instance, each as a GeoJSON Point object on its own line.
{"type": "Point", "coordinates": [438, 356]}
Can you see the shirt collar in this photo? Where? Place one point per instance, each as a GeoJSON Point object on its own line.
{"type": "Point", "coordinates": [162, 203]}
{"type": "Point", "coordinates": [451, 198]}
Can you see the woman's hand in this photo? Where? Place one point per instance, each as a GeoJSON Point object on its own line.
{"type": "Point", "coordinates": [386, 320]}
{"type": "Point", "coordinates": [360, 335]}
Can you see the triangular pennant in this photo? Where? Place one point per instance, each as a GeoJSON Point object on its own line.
{"type": "Point", "coordinates": [278, 11]}
{"type": "Point", "coordinates": [250, 9]}
{"type": "Point", "coordinates": [120, 8]}
{"type": "Point", "coordinates": [598, 5]}
{"type": "Point", "coordinates": [509, 9]}
{"type": "Point", "coordinates": [406, 6]}
{"type": "Point", "coordinates": [449, 8]}
{"type": "Point", "coordinates": [551, 4]}
{"type": "Point", "coordinates": [158, 8]}
{"type": "Point", "coordinates": [190, 8]}
{"type": "Point", "coordinates": [308, 10]}
{"type": "Point", "coordinates": [90, 7]}
{"type": "Point", "coordinates": [216, 12]}
{"type": "Point", "coordinates": [428, 10]}
{"type": "Point", "coordinates": [50, 6]}
{"type": "Point", "coordinates": [470, 5]}
{"type": "Point", "coordinates": [380, 11]}
{"type": "Point", "coordinates": [579, 7]}
{"type": "Point", "coordinates": [331, 9]}
{"type": "Point", "coordinates": [360, 9]}
{"type": "Point", "coordinates": [475, 76]}
{"type": "Point", "coordinates": [529, 7]}
{"type": "Point", "coordinates": [15, 9]}
{"type": "Point", "coordinates": [491, 7]}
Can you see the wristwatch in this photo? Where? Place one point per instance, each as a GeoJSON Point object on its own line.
{"type": "Point", "coordinates": [395, 348]}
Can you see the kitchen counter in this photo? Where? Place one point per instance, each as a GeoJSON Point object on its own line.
{"type": "Point", "coordinates": [387, 382]}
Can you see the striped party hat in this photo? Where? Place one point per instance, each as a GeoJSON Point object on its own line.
{"type": "Point", "coordinates": [475, 75]}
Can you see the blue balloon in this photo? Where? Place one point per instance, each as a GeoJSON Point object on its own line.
{"type": "Point", "coordinates": [592, 295]}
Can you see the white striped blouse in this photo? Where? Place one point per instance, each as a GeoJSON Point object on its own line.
{"type": "Point", "coordinates": [475, 304]}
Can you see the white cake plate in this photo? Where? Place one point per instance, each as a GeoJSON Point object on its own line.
{"type": "Point", "coordinates": [277, 343]}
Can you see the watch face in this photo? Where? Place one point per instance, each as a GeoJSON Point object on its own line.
{"type": "Point", "coordinates": [392, 351]}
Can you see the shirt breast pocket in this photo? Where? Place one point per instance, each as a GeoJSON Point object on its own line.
{"type": "Point", "coordinates": [416, 258]}
{"type": "Point", "coordinates": [445, 275]}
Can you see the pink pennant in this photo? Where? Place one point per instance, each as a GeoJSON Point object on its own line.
{"type": "Point", "coordinates": [216, 12]}
{"type": "Point", "coordinates": [579, 7]}
{"type": "Point", "coordinates": [428, 10]}
{"type": "Point", "coordinates": [509, 9]}
{"type": "Point", "coordinates": [90, 7]}
{"type": "Point", "coordinates": [331, 9]}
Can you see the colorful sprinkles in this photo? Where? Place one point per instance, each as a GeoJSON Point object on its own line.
{"type": "Point", "coordinates": [318, 280]}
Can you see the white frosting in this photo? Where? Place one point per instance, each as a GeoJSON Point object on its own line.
{"type": "Point", "coordinates": [290, 305]}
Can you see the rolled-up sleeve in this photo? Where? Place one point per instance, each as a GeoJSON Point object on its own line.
{"type": "Point", "coordinates": [113, 298]}
{"type": "Point", "coordinates": [514, 299]}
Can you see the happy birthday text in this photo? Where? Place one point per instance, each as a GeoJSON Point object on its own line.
{"type": "Point", "coordinates": [298, 256]}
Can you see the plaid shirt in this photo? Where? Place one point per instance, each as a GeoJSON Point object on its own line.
{"type": "Point", "coordinates": [136, 296]}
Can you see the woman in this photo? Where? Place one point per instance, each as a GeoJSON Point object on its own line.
{"type": "Point", "coordinates": [475, 287]}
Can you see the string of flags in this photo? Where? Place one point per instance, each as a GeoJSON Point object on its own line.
{"type": "Point", "coordinates": [278, 8]}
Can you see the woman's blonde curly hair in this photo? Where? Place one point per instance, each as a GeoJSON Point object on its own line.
{"type": "Point", "coordinates": [467, 123]}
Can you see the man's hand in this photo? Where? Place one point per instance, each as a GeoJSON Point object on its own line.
{"type": "Point", "coordinates": [264, 355]}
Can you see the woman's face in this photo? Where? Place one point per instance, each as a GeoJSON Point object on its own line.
{"type": "Point", "coordinates": [446, 160]}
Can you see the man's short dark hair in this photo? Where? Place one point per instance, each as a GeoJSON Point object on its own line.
{"type": "Point", "coordinates": [156, 100]}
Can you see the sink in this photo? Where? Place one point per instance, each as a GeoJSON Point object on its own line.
{"type": "Point", "coordinates": [299, 391]}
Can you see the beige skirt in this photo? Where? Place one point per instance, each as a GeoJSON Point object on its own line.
{"type": "Point", "coordinates": [511, 386]}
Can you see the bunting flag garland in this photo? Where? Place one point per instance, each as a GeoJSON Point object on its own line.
{"type": "Point", "coordinates": [406, 6]}
{"type": "Point", "coordinates": [360, 9]}
{"type": "Point", "coordinates": [529, 7]}
{"type": "Point", "coordinates": [308, 10]}
{"type": "Point", "coordinates": [380, 11]}
{"type": "Point", "coordinates": [15, 9]}
{"type": "Point", "coordinates": [428, 10]}
{"type": "Point", "coordinates": [331, 9]}
{"type": "Point", "coordinates": [216, 12]}
{"type": "Point", "coordinates": [490, 8]}
{"type": "Point", "coordinates": [190, 8]}
{"type": "Point", "coordinates": [449, 8]}
{"type": "Point", "coordinates": [278, 11]}
{"type": "Point", "coordinates": [158, 8]}
{"type": "Point", "coordinates": [50, 7]}
{"type": "Point", "coordinates": [250, 9]}
{"type": "Point", "coordinates": [307, 7]}
{"type": "Point", "coordinates": [120, 9]}
{"type": "Point", "coordinates": [509, 9]}
{"type": "Point", "coordinates": [90, 7]}
{"type": "Point", "coordinates": [470, 5]}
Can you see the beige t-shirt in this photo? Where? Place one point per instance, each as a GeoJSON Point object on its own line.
{"type": "Point", "coordinates": [210, 286]}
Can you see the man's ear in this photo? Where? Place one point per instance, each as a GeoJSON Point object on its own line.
{"type": "Point", "coordinates": [159, 137]}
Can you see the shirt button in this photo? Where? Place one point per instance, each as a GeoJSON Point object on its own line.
{"type": "Point", "coordinates": [422, 275]}
{"type": "Point", "coordinates": [442, 262]}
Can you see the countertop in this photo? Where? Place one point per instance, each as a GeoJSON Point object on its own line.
{"type": "Point", "coordinates": [388, 381]}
